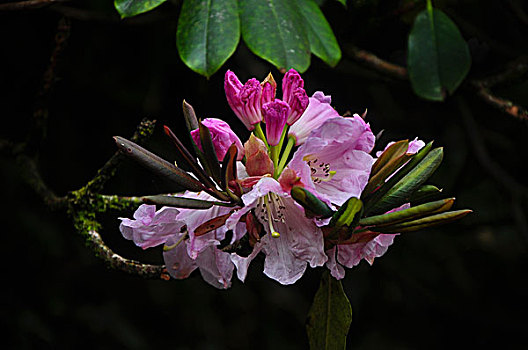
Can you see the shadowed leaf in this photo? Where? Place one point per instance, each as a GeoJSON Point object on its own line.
{"type": "Point", "coordinates": [429, 221]}
{"type": "Point", "coordinates": [181, 202]}
{"type": "Point", "coordinates": [330, 316]}
{"type": "Point", "coordinates": [311, 203]}
{"type": "Point", "coordinates": [130, 8]}
{"type": "Point", "coordinates": [209, 152]}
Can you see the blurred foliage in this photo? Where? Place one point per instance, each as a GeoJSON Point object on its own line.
{"type": "Point", "coordinates": [461, 285]}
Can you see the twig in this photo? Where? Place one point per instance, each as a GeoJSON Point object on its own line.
{"type": "Point", "coordinates": [480, 87]}
{"type": "Point", "coordinates": [40, 114]}
{"type": "Point", "coordinates": [142, 133]}
{"type": "Point", "coordinates": [376, 63]}
{"type": "Point", "coordinates": [28, 5]}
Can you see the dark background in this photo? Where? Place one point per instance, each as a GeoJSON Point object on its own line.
{"type": "Point", "coordinates": [461, 285]}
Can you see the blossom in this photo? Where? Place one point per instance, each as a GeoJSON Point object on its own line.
{"type": "Point", "coordinates": [247, 209]}
{"type": "Point", "coordinates": [150, 227]}
{"type": "Point", "coordinates": [318, 111]}
{"type": "Point", "coordinates": [222, 135]}
{"type": "Point", "coordinates": [289, 245]}
{"type": "Point", "coordinates": [337, 155]}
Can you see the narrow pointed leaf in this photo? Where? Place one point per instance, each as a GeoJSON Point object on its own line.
{"type": "Point", "coordinates": [311, 203]}
{"type": "Point", "coordinates": [189, 159]}
{"type": "Point", "coordinates": [429, 221]}
{"type": "Point", "coordinates": [190, 117]}
{"type": "Point", "coordinates": [181, 202]}
{"type": "Point", "coordinates": [424, 194]}
{"type": "Point", "coordinates": [401, 192]}
{"type": "Point", "coordinates": [157, 165]}
{"type": "Point", "coordinates": [229, 169]}
{"type": "Point", "coordinates": [209, 152]}
{"type": "Point", "coordinates": [274, 31]}
{"type": "Point", "coordinates": [408, 214]}
{"type": "Point", "coordinates": [330, 316]}
{"type": "Point", "coordinates": [395, 150]}
{"type": "Point", "coordinates": [438, 56]}
{"type": "Point", "coordinates": [130, 8]}
{"type": "Point", "coordinates": [370, 200]}
{"type": "Point", "coordinates": [208, 34]}
{"type": "Point", "coordinates": [323, 43]}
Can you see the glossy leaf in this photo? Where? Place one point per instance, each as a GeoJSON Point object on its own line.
{"type": "Point", "coordinates": [370, 200]}
{"type": "Point", "coordinates": [395, 150]}
{"type": "Point", "coordinates": [348, 214]}
{"type": "Point", "coordinates": [157, 165]}
{"type": "Point", "coordinates": [323, 43]}
{"type": "Point", "coordinates": [130, 8]}
{"type": "Point", "coordinates": [330, 316]}
{"type": "Point", "coordinates": [438, 56]}
{"type": "Point", "coordinates": [401, 192]}
{"type": "Point", "coordinates": [429, 221]}
{"type": "Point", "coordinates": [208, 34]}
{"type": "Point", "coordinates": [408, 214]}
{"type": "Point", "coordinates": [274, 31]}
{"type": "Point", "coordinates": [424, 194]}
{"type": "Point", "coordinates": [311, 203]}
{"type": "Point", "coordinates": [181, 202]}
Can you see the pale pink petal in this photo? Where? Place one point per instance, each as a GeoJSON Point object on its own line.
{"type": "Point", "coordinates": [336, 269]}
{"type": "Point", "coordinates": [215, 267]}
{"type": "Point", "coordinates": [178, 263]}
{"type": "Point", "coordinates": [222, 136]}
{"type": "Point", "coordinates": [242, 263]}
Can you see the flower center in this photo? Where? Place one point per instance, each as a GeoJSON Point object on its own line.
{"type": "Point", "coordinates": [270, 210]}
{"type": "Point", "coordinates": [319, 169]}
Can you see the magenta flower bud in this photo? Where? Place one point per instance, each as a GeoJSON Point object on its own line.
{"type": "Point", "coordinates": [222, 135]}
{"type": "Point", "coordinates": [275, 114]}
{"type": "Point", "coordinates": [269, 88]}
{"type": "Point", "coordinates": [298, 104]}
{"type": "Point", "coordinates": [244, 100]}
{"type": "Point", "coordinates": [290, 82]}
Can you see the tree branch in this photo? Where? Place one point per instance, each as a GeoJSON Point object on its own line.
{"type": "Point", "coordinates": [28, 5]}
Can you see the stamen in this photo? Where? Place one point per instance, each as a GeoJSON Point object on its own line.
{"type": "Point", "coordinates": [270, 217]}
{"type": "Point", "coordinates": [170, 247]}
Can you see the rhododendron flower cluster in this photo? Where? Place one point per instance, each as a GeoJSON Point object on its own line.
{"type": "Point", "coordinates": [290, 193]}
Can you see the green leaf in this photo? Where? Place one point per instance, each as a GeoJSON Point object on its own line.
{"type": "Point", "coordinates": [343, 2]}
{"type": "Point", "coordinates": [330, 316]}
{"type": "Point", "coordinates": [209, 152]}
{"type": "Point", "coordinates": [408, 214]}
{"type": "Point", "coordinates": [438, 57]}
{"type": "Point", "coordinates": [429, 221]}
{"type": "Point", "coordinates": [401, 192]}
{"type": "Point", "coordinates": [130, 8]}
{"type": "Point", "coordinates": [182, 202]}
{"type": "Point", "coordinates": [208, 34]}
{"type": "Point", "coordinates": [157, 165]}
{"type": "Point", "coordinates": [348, 214]}
{"type": "Point", "coordinates": [323, 43]}
{"type": "Point", "coordinates": [424, 194]}
{"type": "Point", "coordinates": [312, 204]}
{"type": "Point", "coordinates": [274, 31]}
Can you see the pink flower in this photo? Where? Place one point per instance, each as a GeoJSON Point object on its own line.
{"type": "Point", "coordinates": [318, 111]}
{"type": "Point", "coordinates": [244, 100]}
{"type": "Point", "coordinates": [222, 135]}
{"type": "Point", "coordinates": [275, 114]}
{"type": "Point", "coordinates": [150, 227]}
{"type": "Point", "coordinates": [292, 241]}
{"type": "Point", "coordinates": [338, 159]}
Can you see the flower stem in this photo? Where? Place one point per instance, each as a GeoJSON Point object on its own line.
{"type": "Point", "coordinates": [285, 155]}
{"type": "Point", "coordinates": [260, 134]}
{"type": "Point", "coordinates": [275, 150]}
{"type": "Point", "coordinates": [283, 136]}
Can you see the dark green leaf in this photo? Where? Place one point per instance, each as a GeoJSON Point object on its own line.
{"type": "Point", "coordinates": [181, 202]}
{"type": "Point", "coordinates": [330, 316]}
{"type": "Point", "coordinates": [274, 30]}
{"type": "Point", "coordinates": [408, 214]}
{"type": "Point", "coordinates": [157, 165]}
{"type": "Point", "coordinates": [401, 192]}
{"type": "Point", "coordinates": [424, 194]}
{"type": "Point", "coordinates": [429, 221]}
{"type": "Point", "coordinates": [208, 33]}
{"type": "Point", "coordinates": [313, 205]}
{"type": "Point", "coordinates": [438, 56]}
{"type": "Point", "coordinates": [389, 161]}
{"type": "Point", "coordinates": [190, 117]}
{"type": "Point", "coordinates": [343, 2]}
{"type": "Point", "coordinates": [323, 43]}
{"type": "Point", "coordinates": [130, 8]}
